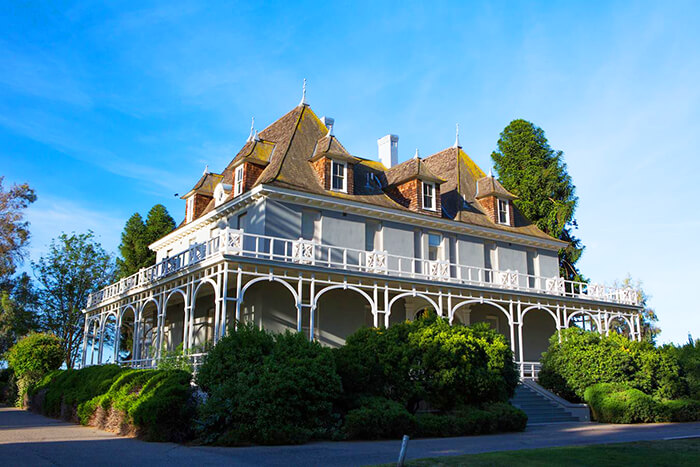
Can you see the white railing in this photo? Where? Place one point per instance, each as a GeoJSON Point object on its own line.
{"type": "Point", "coordinates": [529, 370]}
{"type": "Point", "coordinates": [195, 360]}
{"type": "Point", "coordinates": [307, 252]}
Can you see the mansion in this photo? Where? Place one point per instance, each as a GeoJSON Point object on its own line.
{"type": "Point", "coordinates": [298, 234]}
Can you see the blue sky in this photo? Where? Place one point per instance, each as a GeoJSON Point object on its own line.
{"type": "Point", "coordinates": [108, 110]}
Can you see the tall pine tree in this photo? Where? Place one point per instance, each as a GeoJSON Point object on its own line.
{"type": "Point", "coordinates": [528, 167]}
{"type": "Point", "coordinates": [136, 237]}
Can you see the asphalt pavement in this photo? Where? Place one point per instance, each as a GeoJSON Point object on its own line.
{"type": "Point", "coordinates": [28, 439]}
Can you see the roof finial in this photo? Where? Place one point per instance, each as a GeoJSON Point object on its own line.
{"type": "Point", "coordinates": [417, 155]}
{"type": "Point", "coordinates": [490, 172]}
{"type": "Point", "coordinates": [456, 145]}
{"type": "Point", "coordinates": [303, 94]}
{"type": "Point", "coordinates": [252, 130]}
{"type": "Point", "coordinates": [206, 169]}
{"type": "Point", "coordinates": [330, 129]}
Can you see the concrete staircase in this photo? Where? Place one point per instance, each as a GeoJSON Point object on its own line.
{"type": "Point", "coordinates": [540, 409]}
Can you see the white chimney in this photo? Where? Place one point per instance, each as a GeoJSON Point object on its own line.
{"type": "Point", "coordinates": [388, 150]}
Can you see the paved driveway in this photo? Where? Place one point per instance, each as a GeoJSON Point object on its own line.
{"type": "Point", "coordinates": [29, 439]}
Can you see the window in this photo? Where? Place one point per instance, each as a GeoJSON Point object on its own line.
{"type": "Point", "coordinates": [338, 176]}
{"type": "Point", "coordinates": [190, 209]}
{"type": "Point", "coordinates": [434, 247]}
{"type": "Point", "coordinates": [503, 212]}
{"type": "Point", "coordinates": [428, 196]}
{"type": "Point", "coordinates": [238, 183]}
{"type": "Point", "coordinates": [241, 221]}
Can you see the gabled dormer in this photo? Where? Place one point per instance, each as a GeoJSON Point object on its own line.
{"type": "Point", "coordinates": [496, 200]}
{"type": "Point", "coordinates": [248, 165]}
{"type": "Point", "coordinates": [333, 165]}
{"type": "Point", "coordinates": [413, 185]}
{"type": "Point", "coordinates": [199, 197]}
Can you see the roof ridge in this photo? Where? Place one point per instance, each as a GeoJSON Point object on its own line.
{"type": "Point", "coordinates": [291, 140]}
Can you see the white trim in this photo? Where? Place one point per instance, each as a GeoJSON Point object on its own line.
{"type": "Point", "coordinates": [344, 165]}
{"type": "Point", "coordinates": [506, 212]}
{"type": "Point", "coordinates": [433, 206]}
{"type": "Point", "coordinates": [189, 207]}
{"type": "Point", "coordinates": [238, 180]}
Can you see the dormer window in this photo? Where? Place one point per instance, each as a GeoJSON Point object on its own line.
{"type": "Point", "coordinates": [190, 209]}
{"type": "Point", "coordinates": [503, 212]}
{"type": "Point", "coordinates": [238, 181]}
{"type": "Point", "coordinates": [429, 196]}
{"type": "Point", "coordinates": [339, 179]}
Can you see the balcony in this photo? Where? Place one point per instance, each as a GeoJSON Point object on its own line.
{"type": "Point", "coordinates": [313, 254]}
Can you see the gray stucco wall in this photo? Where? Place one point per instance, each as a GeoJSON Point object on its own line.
{"type": "Point", "coordinates": [339, 314]}
{"type": "Point", "coordinates": [282, 220]}
{"type": "Point", "coordinates": [549, 263]}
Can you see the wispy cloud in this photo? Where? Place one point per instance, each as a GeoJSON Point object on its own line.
{"type": "Point", "coordinates": [50, 216]}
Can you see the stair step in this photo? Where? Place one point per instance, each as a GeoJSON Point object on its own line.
{"type": "Point", "coordinates": [539, 409]}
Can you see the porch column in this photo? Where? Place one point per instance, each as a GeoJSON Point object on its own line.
{"type": "Point", "coordinates": [520, 342]}
{"type": "Point", "coordinates": [221, 329]}
{"type": "Point", "coordinates": [239, 285]}
{"type": "Point", "coordinates": [135, 349]}
{"type": "Point", "coordinates": [85, 338]}
{"type": "Point", "coordinates": [100, 344]}
{"type": "Point", "coordinates": [117, 336]}
{"type": "Point", "coordinates": [190, 315]}
{"type": "Point", "coordinates": [312, 308]}
{"type": "Point", "coordinates": [300, 290]}
{"type": "Point", "coordinates": [639, 328]}
{"type": "Point", "coordinates": [511, 324]}
{"type": "Point", "coordinates": [375, 306]}
{"type": "Point", "coordinates": [387, 310]}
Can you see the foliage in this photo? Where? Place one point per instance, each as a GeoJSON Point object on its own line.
{"type": "Point", "coordinates": [158, 403]}
{"type": "Point", "coordinates": [379, 418]}
{"type": "Point", "coordinates": [267, 389]}
{"type": "Point", "coordinates": [529, 168]}
{"type": "Point", "coordinates": [31, 358]}
{"type": "Point", "coordinates": [14, 229]}
{"type": "Point", "coordinates": [174, 360]}
{"type": "Point", "coordinates": [688, 357]}
{"type": "Point", "coordinates": [8, 386]}
{"type": "Point", "coordinates": [136, 237]}
{"type": "Point", "coordinates": [75, 266]}
{"type": "Point", "coordinates": [18, 314]}
{"type": "Point", "coordinates": [584, 358]}
{"type": "Point", "coordinates": [428, 360]}
{"type": "Point", "coordinates": [647, 316]}
{"type": "Point", "coordinates": [620, 403]}
{"type": "Point", "coordinates": [382, 418]}
{"type": "Point", "coordinates": [133, 248]}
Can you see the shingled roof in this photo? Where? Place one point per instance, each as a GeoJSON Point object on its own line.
{"type": "Point", "coordinates": [412, 168]}
{"type": "Point", "coordinates": [287, 145]}
{"type": "Point", "coordinates": [489, 186]}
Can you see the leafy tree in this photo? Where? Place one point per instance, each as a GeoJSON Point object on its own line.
{"type": "Point", "coordinates": [14, 232]}
{"type": "Point", "coordinates": [647, 316]}
{"type": "Point", "coordinates": [133, 248]}
{"type": "Point", "coordinates": [18, 313]}
{"type": "Point", "coordinates": [529, 168]}
{"type": "Point", "coordinates": [158, 224]}
{"type": "Point", "coordinates": [136, 237]}
{"type": "Point", "coordinates": [75, 266]}
{"type": "Point", "coordinates": [32, 357]}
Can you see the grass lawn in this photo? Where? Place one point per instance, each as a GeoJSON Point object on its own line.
{"type": "Point", "coordinates": [682, 452]}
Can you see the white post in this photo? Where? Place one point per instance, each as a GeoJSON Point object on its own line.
{"type": "Point", "coordinates": [117, 336]}
{"type": "Point", "coordinates": [375, 306]}
{"type": "Point", "coordinates": [639, 328]}
{"type": "Point", "coordinates": [300, 305]}
{"type": "Point", "coordinates": [387, 310]}
{"type": "Point", "coordinates": [101, 341]}
{"type": "Point", "coordinates": [85, 337]}
{"type": "Point", "coordinates": [312, 309]}
{"type": "Point", "coordinates": [520, 342]}
{"type": "Point", "coordinates": [224, 304]}
{"type": "Point", "coordinates": [511, 322]}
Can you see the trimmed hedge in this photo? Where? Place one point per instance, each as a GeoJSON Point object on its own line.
{"type": "Point", "coordinates": [620, 403]}
{"type": "Point", "coordinates": [381, 418]}
{"type": "Point", "coordinates": [156, 405]}
{"type": "Point", "coordinates": [584, 358]}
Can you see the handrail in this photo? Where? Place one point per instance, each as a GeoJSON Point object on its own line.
{"type": "Point", "coordinates": [300, 251]}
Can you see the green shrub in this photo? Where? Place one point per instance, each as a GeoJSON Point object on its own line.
{"type": "Point", "coordinates": [508, 418]}
{"type": "Point", "coordinates": [682, 410]}
{"type": "Point", "coordinates": [379, 418]}
{"type": "Point", "coordinates": [583, 359]}
{"type": "Point", "coordinates": [73, 387]}
{"type": "Point", "coordinates": [31, 358]}
{"type": "Point", "coordinates": [427, 360]}
{"type": "Point", "coordinates": [688, 358]}
{"type": "Point", "coordinates": [619, 403]}
{"type": "Point", "coordinates": [267, 389]}
{"type": "Point", "coordinates": [157, 403]}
